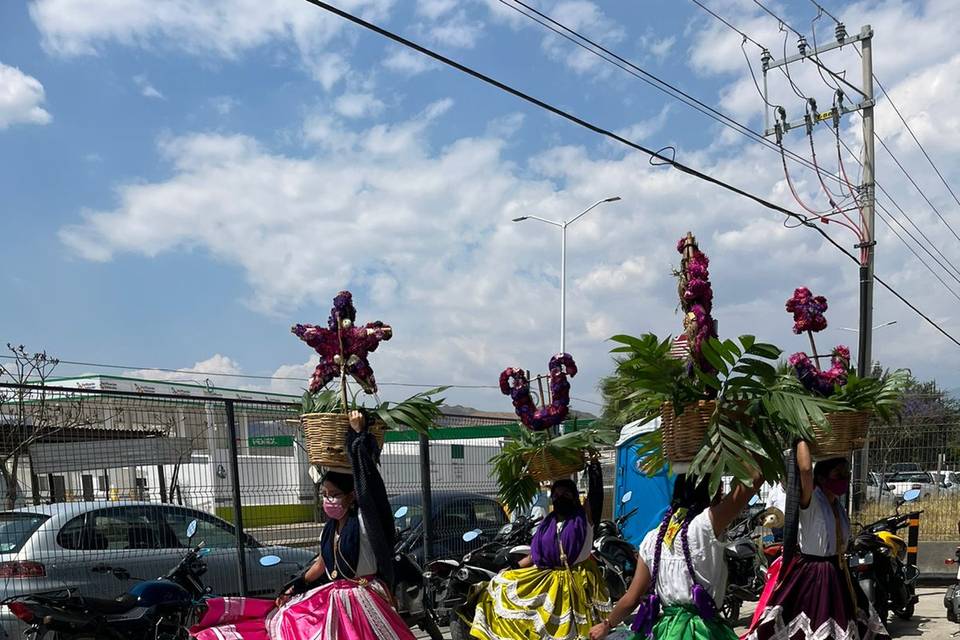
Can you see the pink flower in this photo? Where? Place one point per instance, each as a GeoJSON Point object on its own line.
{"type": "Point", "coordinates": [807, 311]}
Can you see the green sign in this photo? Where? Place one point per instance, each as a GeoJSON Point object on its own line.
{"type": "Point", "coordinates": [270, 441]}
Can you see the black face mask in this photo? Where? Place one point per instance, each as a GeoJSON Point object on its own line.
{"type": "Point", "coordinates": [565, 507]}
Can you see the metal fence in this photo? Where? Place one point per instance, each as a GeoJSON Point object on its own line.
{"type": "Point", "coordinates": [98, 478]}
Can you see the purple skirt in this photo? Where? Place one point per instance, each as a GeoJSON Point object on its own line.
{"type": "Point", "coordinates": [813, 601]}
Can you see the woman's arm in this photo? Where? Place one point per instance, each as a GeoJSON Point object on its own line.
{"type": "Point", "coordinates": [626, 604]}
{"type": "Point", "coordinates": [722, 514]}
{"type": "Point", "coordinates": [302, 583]}
{"type": "Point", "coordinates": [805, 466]}
{"type": "Point", "coordinates": [372, 494]}
{"type": "Point", "coordinates": [594, 492]}
{"type": "Point", "coordinates": [525, 562]}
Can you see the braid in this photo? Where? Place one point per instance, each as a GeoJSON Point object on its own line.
{"type": "Point", "coordinates": [685, 539]}
{"type": "Point", "coordinates": [699, 596]}
{"type": "Point", "coordinates": [661, 534]}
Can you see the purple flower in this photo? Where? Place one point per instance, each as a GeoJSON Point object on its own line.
{"type": "Point", "coordinates": [807, 311]}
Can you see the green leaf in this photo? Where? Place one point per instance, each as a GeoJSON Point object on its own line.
{"type": "Point", "coordinates": [709, 350]}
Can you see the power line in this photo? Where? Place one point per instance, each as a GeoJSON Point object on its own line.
{"type": "Point", "coordinates": [726, 22]}
{"type": "Point", "coordinates": [823, 9]}
{"type": "Point", "coordinates": [776, 17]}
{"type": "Point", "coordinates": [654, 155]}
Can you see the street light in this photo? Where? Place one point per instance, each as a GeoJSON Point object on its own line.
{"type": "Point", "coordinates": [879, 326]}
{"type": "Point", "coordinates": [563, 224]}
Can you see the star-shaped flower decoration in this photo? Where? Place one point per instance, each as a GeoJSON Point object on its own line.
{"type": "Point", "coordinates": [342, 344]}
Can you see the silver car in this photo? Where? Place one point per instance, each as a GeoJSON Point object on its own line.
{"type": "Point", "coordinates": [86, 545]}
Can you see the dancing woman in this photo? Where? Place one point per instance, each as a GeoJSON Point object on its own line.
{"type": "Point", "coordinates": [814, 598]}
{"type": "Point", "coordinates": [346, 592]}
{"type": "Point", "coordinates": [682, 569]}
{"type": "Point", "coordinates": [558, 592]}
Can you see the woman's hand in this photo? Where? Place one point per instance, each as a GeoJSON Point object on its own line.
{"type": "Point", "coordinates": [357, 420]}
{"type": "Point", "coordinates": [599, 631]}
{"type": "Point", "coordinates": [284, 598]}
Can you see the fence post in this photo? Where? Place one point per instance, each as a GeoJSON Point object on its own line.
{"type": "Point", "coordinates": [913, 537]}
{"type": "Point", "coordinates": [235, 485]}
{"type": "Point", "coordinates": [427, 515]}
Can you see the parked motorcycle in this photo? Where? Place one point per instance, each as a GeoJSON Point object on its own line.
{"type": "Point", "coordinates": [951, 601]}
{"type": "Point", "coordinates": [455, 584]}
{"type": "Point", "coordinates": [160, 609]}
{"type": "Point", "coordinates": [616, 557]}
{"type": "Point", "coordinates": [878, 560]}
{"type": "Point", "coordinates": [411, 594]}
{"type": "Point", "coordinates": [747, 558]}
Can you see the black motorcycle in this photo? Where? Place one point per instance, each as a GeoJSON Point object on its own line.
{"type": "Point", "coordinates": [456, 584]}
{"type": "Point", "coordinates": [411, 594]}
{"type": "Point", "coordinates": [951, 601]}
{"type": "Point", "coordinates": [161, 609]}
{"type": "Point", "coordinates": [616, 557]}
{"type": "Point", "coordinates": [878, 561]}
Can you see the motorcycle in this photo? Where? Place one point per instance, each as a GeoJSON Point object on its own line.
{"type": "Point", "coordinates": [878, 560]}
{"type": "Point", "coordinates": [747, 561]}
{"type": "Point", "coordinates": [616, 557]}
{"type": "Point", "coordinates": [951, 601]}
{"type": "Point", "coordinates": [160, 609]}
{"type": "Point", "coordinates": [455, 584]}
{"type": "Point", "coordinates": [411, 594]}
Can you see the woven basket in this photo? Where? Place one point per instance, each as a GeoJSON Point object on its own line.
{"type": "Point", "coordinates": [683, 435]}
{"type": "Point", "coordinates": [544, 467]}
{"type": "Point", "coordinates": [326, 438]}
{"type": "Point", "coordinates": [848, 431]}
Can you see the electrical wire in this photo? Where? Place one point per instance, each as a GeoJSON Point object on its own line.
{"type": "Point", "coordinates": [824, 10]}
{"type": "Point", "coordinates": [662, 85]}
{"type": "Point", "coordinates": [654, 155]}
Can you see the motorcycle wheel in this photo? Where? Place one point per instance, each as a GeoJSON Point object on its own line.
{"type": "Point", "coordinates": [907, 612]}
{"type": "Point", "coordinates": [459, 630]}
{"type": "Point", "coordinates": [731, 610]}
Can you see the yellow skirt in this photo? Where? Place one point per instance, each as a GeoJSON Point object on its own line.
{"type": "Point", "coordinates": [532, 603]}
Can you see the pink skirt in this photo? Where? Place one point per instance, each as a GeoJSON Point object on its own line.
{"type": "Point", "coordinates": [340, 610]}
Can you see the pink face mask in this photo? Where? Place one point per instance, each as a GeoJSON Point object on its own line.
{"type": "Point", "coordinates": [334, 508]}
{"type": "Point", "coordinates": [837, 486]}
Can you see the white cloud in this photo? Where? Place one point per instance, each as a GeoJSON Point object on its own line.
{"type": "Point", "coordinates": [224, 105]}
{"type": "Point", "coordinates": [220, 28]}
{"type": "Point", "coordinates": [645, 128]}
{"type": "Point", "coordinates": [587, 18]}
{"type": "Point", "coordinates": [659, 49]}
{"type": "Point", "coordinates": [147, 90]}
{"type": "Point", "coordinates": [20, 98]}
{"type": "Point", "coordinates": [358, 105]}
{"type": "Point", "coordinates": [457, 31]}
{"type": "Point", "coordinates": [434, 9]}
{"type": "Point", "coordinates": [215, 364]}
{"type": "Point", "coordinates": [406, 61]}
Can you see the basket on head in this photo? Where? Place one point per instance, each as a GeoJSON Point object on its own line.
{"type": "Point", "coordinates": [543, 466]}
{"type": "Point", "coordinates": [683, 435]}
{"type": "Point", "coordinates": [848, 431]}
{"type": "Point", "coordinates": [325, 435]}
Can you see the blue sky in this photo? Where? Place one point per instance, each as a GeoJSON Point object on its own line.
{"type": "Point", "coordinates": [184, 181]}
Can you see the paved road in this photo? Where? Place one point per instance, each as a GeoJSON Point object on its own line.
{"type": "Point", "coordinates": [930, 621]}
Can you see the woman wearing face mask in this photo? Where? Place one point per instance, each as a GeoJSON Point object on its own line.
{"type": "Point", "coordinates": [682, 567]}
{"type": "Point", "coordinates": [558, 591]}
{"type": "Point", "coordinates": [345, 593]}
{"type": "Point", "coordinates": [814, 598]}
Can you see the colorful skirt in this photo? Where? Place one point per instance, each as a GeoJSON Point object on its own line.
{"type": "Point", "coordinates": [533, 603]}
{"type": "Point", "coordinates": [814, 600]}
{"type": "Point", "coordinates": [340, 610]}
{"type": "Point", "coordinates": [682, 622]}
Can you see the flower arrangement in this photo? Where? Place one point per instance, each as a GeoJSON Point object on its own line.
{"type": "Point", "coordinates": [880, 396]}
{"type": "Point", "coordinates": [550, 415]}
{"type": "Point", "coordinates": [696, 299]}
{"type": "Point", "coordinates": [344, 350]}
{"type": "Point", "coordinates": [752, 409]}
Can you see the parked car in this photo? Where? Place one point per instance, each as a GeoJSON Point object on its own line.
{"type": "Point", "coordinates": [920, 480]}
{"type": "Point", "coordinates": [454, 513]}
{"type": "Point", "coordinates": [904, 467]}
{"type": "Point", "coordinates": [95, 546]}
{"type": "Point", "coordinates": [949, 478]}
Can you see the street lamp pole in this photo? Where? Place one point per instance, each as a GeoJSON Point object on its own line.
{"type": "Point", "coordinates": [563, 224]}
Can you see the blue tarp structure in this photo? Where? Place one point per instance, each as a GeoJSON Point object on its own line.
{"type": "Point", "coordinates": [650, 496]}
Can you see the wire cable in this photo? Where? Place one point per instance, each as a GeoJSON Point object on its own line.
{"type": "Point", "coordinates": [613, 136]}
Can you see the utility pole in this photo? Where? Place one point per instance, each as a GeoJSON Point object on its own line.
{"type": "Point", "coordinates": [867, 195]}
{"type": "Point", "coordinates": [867, 192]}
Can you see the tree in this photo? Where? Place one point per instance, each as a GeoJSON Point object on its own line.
{"type": "Point", "coordinates": [30, 413]}
{"type": "Point", "coordinates": [929, 425]}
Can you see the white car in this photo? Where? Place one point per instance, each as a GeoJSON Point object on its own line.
{"type": "Point", "coordinates": [920, 480]}
{"type": "Point", "coordinates": [48, 547]}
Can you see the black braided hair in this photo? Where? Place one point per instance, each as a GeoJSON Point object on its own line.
{"type": "Point", "coordinates": [691, 493]}
{"type": "Point", "coordinates": [791, 513]}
